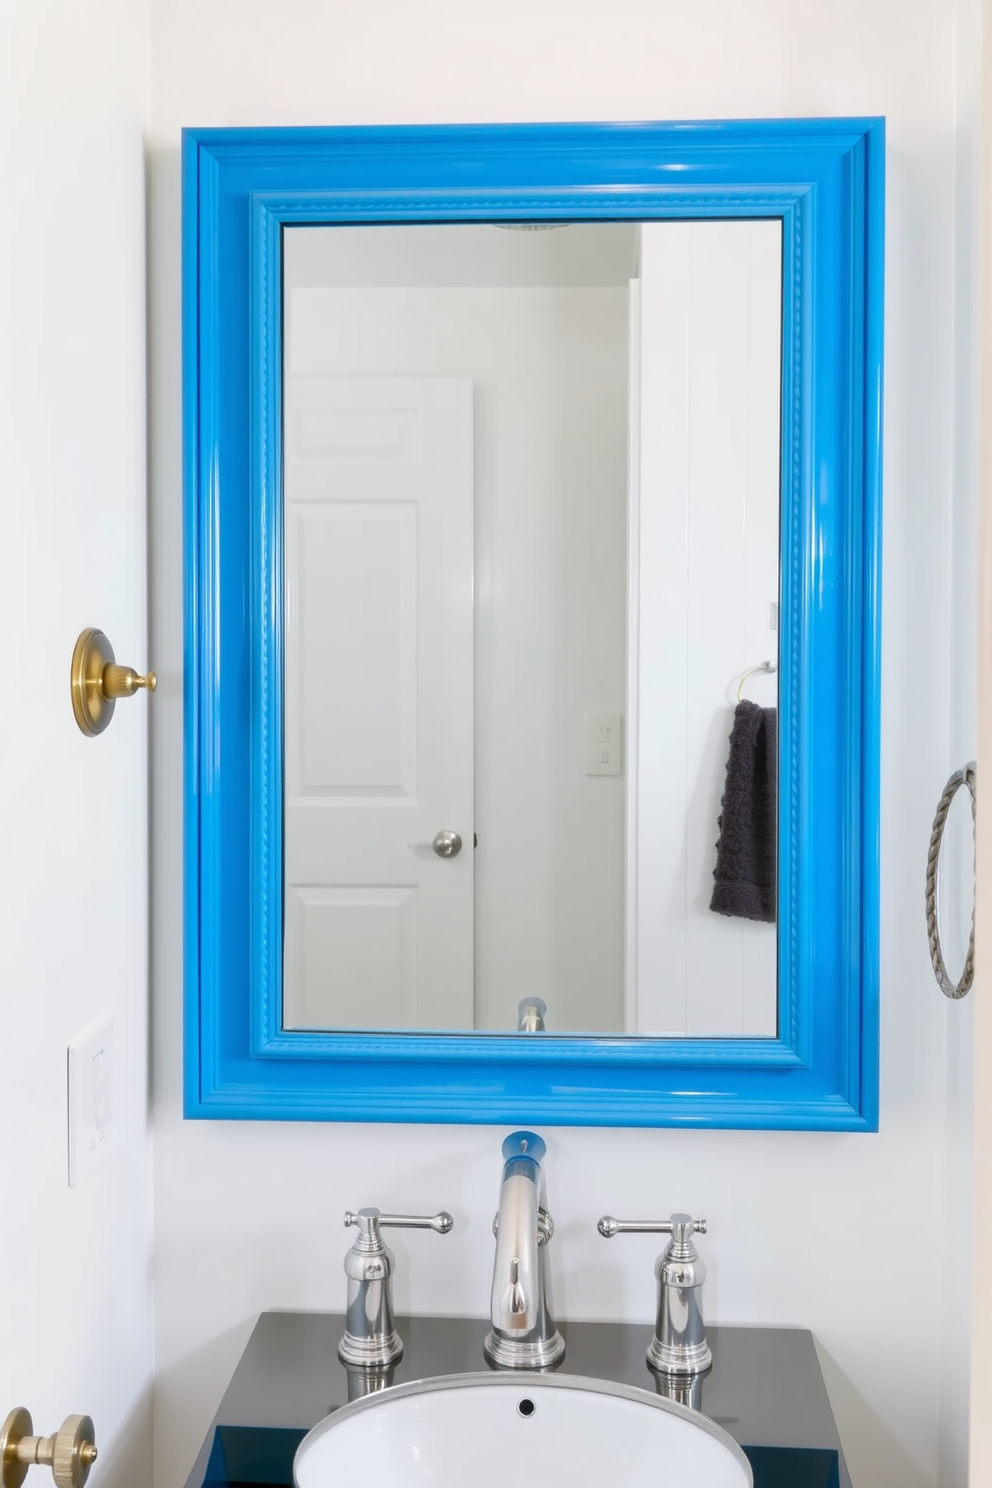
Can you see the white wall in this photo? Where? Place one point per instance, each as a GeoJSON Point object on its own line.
{"type": "Point", "coordinates": [975, 220]}
{"type": "Point", "coordinates": [818, 1230]}
{"type": "Point", "coordinates": [965, 1053]}
{"type": "Point", "coordinates": [76, 1321]}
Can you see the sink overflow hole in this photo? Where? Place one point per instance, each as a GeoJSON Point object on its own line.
{"type": "Point", "coordinates": [526, 1407]}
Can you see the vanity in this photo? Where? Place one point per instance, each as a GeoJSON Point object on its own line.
{"type": "Point", "coordinates": [425, 1405]}
{"type": "Point", "coordinates": [765, 1388]}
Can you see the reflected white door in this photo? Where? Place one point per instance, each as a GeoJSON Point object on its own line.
{"type": "Point", "coordinates": [379, 702]}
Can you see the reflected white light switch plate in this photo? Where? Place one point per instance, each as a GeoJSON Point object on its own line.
{"type": "Point", "coordinates": [91, 1098]}
{"type": "Point", "coordinates": [604, 743]}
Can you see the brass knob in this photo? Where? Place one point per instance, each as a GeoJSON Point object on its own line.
{"type": "Point", "coordinates": [70, 1452]}
{"type": "Point", "coordinates": [97, 681]}
{"type": "Point", "coordinates": [121, 681]}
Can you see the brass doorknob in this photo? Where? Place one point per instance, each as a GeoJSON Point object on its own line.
{"type": "Point", "coordinates": [97, 681]}
{"type": "Point", "coordinates": [70, 1452]}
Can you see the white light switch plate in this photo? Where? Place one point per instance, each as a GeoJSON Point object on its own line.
{"type": "Point", "coordinates": [91, 1098]}
{"type": "Point", "coordinates": [604, 743]}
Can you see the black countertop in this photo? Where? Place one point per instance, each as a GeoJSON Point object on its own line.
{"type": "Point", "coordinates": [765, 1388]}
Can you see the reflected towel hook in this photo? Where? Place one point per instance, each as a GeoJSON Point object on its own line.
{"type": "Point", "coordinates": [766, 666]}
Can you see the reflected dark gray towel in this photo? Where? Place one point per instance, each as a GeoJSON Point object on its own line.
{"type": "Point", "coordinates": [746, 850]}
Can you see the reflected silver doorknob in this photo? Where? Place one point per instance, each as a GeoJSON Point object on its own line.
{"type": "Point", "coordinates": [447, 844]}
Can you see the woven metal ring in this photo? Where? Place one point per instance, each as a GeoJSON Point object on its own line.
{"type": "Point", "coordinates": [967, 777]}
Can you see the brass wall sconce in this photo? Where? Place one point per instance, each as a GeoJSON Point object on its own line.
{"type": "Point", "coordinates": [97, 681]}
{"type": "Point", "coordinates": [70, 1453]}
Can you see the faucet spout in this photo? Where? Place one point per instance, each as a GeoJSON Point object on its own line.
{"type": "Point", "coordinates": [524, 1334]}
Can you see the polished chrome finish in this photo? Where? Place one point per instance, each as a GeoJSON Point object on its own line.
{"type": "Point", "coordinates": [765, 666]}
{"type": "Point", "coordinates": [679, 1344]}
{"type": "Point", "coordinates": [70, 1452]}
{"type": "Point", "coordinates": [370, 1338]}
{"type": "Point", "coordinates": [368, 1380]}
{"type": "Point", "coordinates": [96, 681]}
{"type": "Point", "coordinates": [545, 1227]}
{"type": "Point", "coordinates": [523, 1334]}
{"type": "Point", "coordinates": [684, 1389]}
{"type": "Point", "coordinates": [608, 1226]}
{"type": "Point", "coordinates": [530, 1014]}
{"type": "Point", "coordinates": [441, 1223]}
{"type": "Point", "coordinates": [447, 844]}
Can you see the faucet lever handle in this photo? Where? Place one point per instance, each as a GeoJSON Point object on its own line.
{"type": "Point", "coordinates": [682, 1226]}
{"type": "Point", "coordinates": [439, 1223]}
{"type": "Point", "coordinates": [370, 1337]}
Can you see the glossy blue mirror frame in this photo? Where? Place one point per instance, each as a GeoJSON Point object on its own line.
{"type": "Point", "coordinates": [241, 187]}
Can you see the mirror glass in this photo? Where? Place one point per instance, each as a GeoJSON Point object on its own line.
{"type": "Point", "coordinates": [531, 549]}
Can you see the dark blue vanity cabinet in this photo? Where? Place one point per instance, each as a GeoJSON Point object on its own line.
{"type": "Point", "coordinates": [765, 1388]}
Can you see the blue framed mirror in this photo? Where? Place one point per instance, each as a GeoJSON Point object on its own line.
{"type": "Point", "coordinates": [353, 305]}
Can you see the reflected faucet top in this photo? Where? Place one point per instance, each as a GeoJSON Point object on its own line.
{"type": "Point", "coordinates": [524, 1144]}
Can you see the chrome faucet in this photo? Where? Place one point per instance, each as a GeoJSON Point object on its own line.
{"type": "Point", "coordinates": [524, 1334]}
{"type": "Point", "coordinates": [531, 1014]}
{"type": "Point", "coordinates": [679, 1346]}
{"type": "Point", "coordinates": [370, 1338]}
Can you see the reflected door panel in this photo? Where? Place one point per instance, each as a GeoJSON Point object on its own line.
{"type": "Point", "coordinates": [378, 684]}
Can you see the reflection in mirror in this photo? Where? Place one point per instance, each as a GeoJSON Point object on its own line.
{"type": "Point", "coordinates": [531, 547]}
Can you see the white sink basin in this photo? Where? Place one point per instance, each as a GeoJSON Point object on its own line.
{"type": "Point", "coordinates": [518, 1431]}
